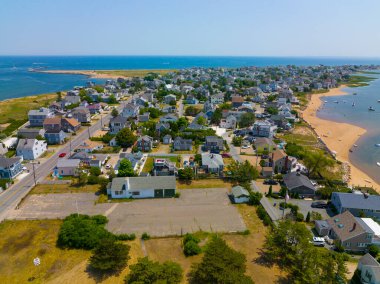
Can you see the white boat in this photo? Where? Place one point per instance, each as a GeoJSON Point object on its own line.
{"type": "Point", "coordinates": [378, 101]}
{"type": "Point", "coordinates": [371, 109]}
{"type": "Point", "coordinates": [377, 145]}
{"type": "Point", "coordinates": [336, 102]}
{"type": "Point", "coordinates": [326, 102]}
{"type": "Point", "coordinates": [355, 145]}
{"type": "Point", "coordinates": [353, 104]}
{"type": "Point", "coordinates": [378, 164]}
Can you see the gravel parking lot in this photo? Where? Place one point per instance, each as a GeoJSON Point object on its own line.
{"type": "Point", "coordinates": [196, 209]}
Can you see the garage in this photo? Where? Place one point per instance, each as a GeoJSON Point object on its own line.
{"type": "Point", "coordinates": [158, 193]}
{"type": "Point", "coordinates": [169, 192]}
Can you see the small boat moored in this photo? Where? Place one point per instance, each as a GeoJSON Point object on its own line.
{"type": "Point", "coordinates": [371, 108]}
{"type": "Point", "coordinates": [377, 145]}
{"type": "Point", "coordinates": [378, 164]}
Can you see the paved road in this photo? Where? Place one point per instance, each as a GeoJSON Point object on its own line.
{"type": "Point", "coordinates": [13, 195]}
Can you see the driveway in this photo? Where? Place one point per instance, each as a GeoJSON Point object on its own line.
{"type": "Point", "coordinates": [197, 209]}
{"type": "Point", "coordinates": [305, 206]}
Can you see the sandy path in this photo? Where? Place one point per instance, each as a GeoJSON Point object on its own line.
{"type": "Point", "coordinates": [339, 137]}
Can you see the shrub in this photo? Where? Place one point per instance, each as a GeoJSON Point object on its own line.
{"type": "Point", "coordinates": [145, 236]}
{"type": "Point", "coordinates": [263, 215]}
{"type": "Point", "coordinates": [126, 237]}
{"type": "Point", "coordinates": [254, 198]}
{"type": "Point", "coordinates": [82, 231]}
{"type": "Point", "coordinates": [191, 248]}
{"type": "Point", "coordinates": [93, 179]}
{"type": "Point", "coordinates": [299, 217]}
{"type": "Point", "coordinates": [190, 237]}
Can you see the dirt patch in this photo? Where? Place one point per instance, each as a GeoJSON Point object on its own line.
{"type": "Point", "coordinates": [16, 243]}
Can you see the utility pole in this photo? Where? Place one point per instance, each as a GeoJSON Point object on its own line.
{"type": "Point", "coordinates": [101, 121]}
{"type": "Point", "coordinates": [34, 172]}
{"type": "Point", "coordinates": [88, 131]}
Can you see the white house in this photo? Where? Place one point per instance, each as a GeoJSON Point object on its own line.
{"type": "Point", "coordinates": [369, 269]}
{"type": "Point", "coordinates": [212, 163]}
{"type": "Point", "coordinates": [130, 110]}
{"type": "Point", "coordinates": [229, 123]}
{"type": "Point", "coordinates": [240, 194]}
{"type": "Point", "coordinates": [68, 167]}
{"type": "Point", "coordinates": [30, 149]}
{"type": "Point", "coordinates": [142, 187]}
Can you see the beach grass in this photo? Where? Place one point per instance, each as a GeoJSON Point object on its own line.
{"type": "Point", "coordinates": [358, 81]}
{"type": "Point", "coordinates": [63, 188]}
{"type": "Point", "coordinates": [204, 183]}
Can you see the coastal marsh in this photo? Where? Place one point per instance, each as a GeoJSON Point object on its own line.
{"type": "Point", "coordinates": [133, 73]}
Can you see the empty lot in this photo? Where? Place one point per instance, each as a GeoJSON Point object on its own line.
{"type": "Point", "coordinates": [196, 209]}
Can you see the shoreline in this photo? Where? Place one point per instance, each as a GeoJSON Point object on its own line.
{"type": "Point", "coordinates": [107, 74]}
{"type": "Point", "coordinates": [337, 137]}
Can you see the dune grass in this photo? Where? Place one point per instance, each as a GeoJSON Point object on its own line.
{"type": "Point", "coordinates": [134, 73]}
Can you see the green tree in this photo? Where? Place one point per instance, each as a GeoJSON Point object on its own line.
{"type": "Point", "coordinates": [373, 250]}
{"type": "Point", "coordinates": [125, 169]}
{"type": "Point", "coordinates": [186, 174]}
{"type": "Point", "coordinates": [242, 172]}
{"type": "Point", "coordinates": [247, 119]}
{"type": "Point", "coordinates": [272, 110]}
{"type": "Point", "coordinates": [59, 96]}
{"type": "Point", "coordinates": [237, 140]}
{"type": "Point", "coordinates": [98, 88]}
{"type": "Point", "coordinates": [110, 256]}
{"type": "Point", "coordinates": [254, 198]}
{"type": "Point", "coordinates": [125, 138]}
{"type": "Point", "coordinates": [82, 179]}
{"type": "Point", "coordinates": [182, 122]}
{"type": "Point", "coordinates": [150, 272]}
{"type": "Point", "coordinates": [270, 191]}
{"type": "Point", "coordinates": [220, 264]}
{"type": "Point", "coordinates": [95, 171]}
{"type": "Point", "coordinates": [317, 161]}
{"type": "Point", "coordinates": [82, 231]}
{"type": "Point", "coordinates": [112, 99]}
{"type": "Point", "coordinates": [288, 245]}
{"type": "Point", "coordinates": [201, 120]}
{"type": "Point", "coordinates": [216, 116]}
{"type": "Point", "coordinates": [192, 111]}
{"type": "Point", "coordinates": [114, 112]}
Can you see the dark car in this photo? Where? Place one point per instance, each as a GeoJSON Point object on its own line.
{"type": "Point", "coordinates": [319, 204]}
{"type": "Point", "coordinates": [226, 155]}
{"type": "Point", "coordinates": [270, 181]}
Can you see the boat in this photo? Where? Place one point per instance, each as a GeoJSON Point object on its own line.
{"type": "Point", "coordinates": [326, 102]}
{"type": "Point", "coordinates": [336, 102]}
{"type": "Point", "coordinates": [355, 145]}
{"type": "Point", "coordinates": [378, 101]}
{"type": "Point", "coordinates": [354, 94]}
{"type": "Point", "coordinates": [371, 109]}
{"type": "Point", "coordinates": [353, 104]}
{"type": "Point", "coordinates": [377, 145]}
{"type": "Point", "coordinates": [378, 164]}
{"type": "Point", "coordinates": [351, 150]}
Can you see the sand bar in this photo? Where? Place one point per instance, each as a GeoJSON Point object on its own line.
{"type": "Point", "coordinates": [339, 137]}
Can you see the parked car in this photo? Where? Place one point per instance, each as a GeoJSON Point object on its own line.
{"type": "Point", "coordinates": [270, 182]}
{"type": "Point", "coordinates": [319, 242]}
{"type": "Point", "coordinates": [62, 155]}
{"type": "Point", "coordinates": [226, 155]}
{"type": "Point", "coordinates": [319, 204]}
{"type": "Point", "coordinates": [245, 146]}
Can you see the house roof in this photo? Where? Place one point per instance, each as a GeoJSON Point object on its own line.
{"type": "Point", "coordinates": [212, 160]}
{"type": "Point", "coordinates": [63, 163]}
{"type": "Point", "coordinates": [216, 139]}
{"type": "Point", "coordinates": [71, 121]}
{"type": "Point", "coordinates": [294, 180]}
{"type": "Point", "coordinates": [237, 99]}
{"type": "Point", "coordinates": [278, 154]}
{"type": "Point", "coordinates": [345, 226]}
{"type": "Point", "coordinates": [359, 201]}
{"type": "Point", "coordinates": [261, 141]}
{"type": "Point", "coordinates": [370, 225]}
{"type": "Point", "coordinates": [119, 119]}
{"type": "Point", "coordinates": [52, 120]}
{"type": "Point", "coordinates": [80, 110]}
{"type": "Point", "coordinates": [368, 259]}
{"type": "Point", "coordinates": [26, 144]}
{"type": "Point", "coordinates": [141, 183]}
{"type": "Point", "coordinates": [180, 140]}
{"type": "Point", "coordinates": [239, 191]}
{"type": "Point", "coordinates": [41, 111]}
{"type": "Point", "coordinates": [7, 162]}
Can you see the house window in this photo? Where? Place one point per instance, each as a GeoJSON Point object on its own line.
{"type": "Point", "coordinates": [362, 245]}
{"type": "Point", "coordinates": [348, 244]}
{"type": "Point", "coordinates": [118, 192]}
{"type": "Point", "coordinates": [135, 192]}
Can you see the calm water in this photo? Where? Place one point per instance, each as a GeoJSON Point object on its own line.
{"type": "Point", "coordinates": [366, 155]}
{"type": "Point", "coordinates": [16, 81]}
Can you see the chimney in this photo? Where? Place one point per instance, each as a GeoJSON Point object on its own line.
{"type": "Point", "coordinates": [353, 227]}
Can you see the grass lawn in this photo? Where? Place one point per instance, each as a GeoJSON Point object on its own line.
{"type": "Point", "coordinates": [358, 81]}
{"type": "Point", "coordinates": [22, 241]}
{"type": "Point", "coordinates": [204, 183]}
{"type": "Point", "coordinates": [135, 73]}
{"type": "Point", "coordinates": [148, 166]}
{"type": "Point", "coordinates": [162, 148]}
{"type": "Point", "coordinates": [63, 188]}
{"type": "Point", "coordinates": [302, 135]}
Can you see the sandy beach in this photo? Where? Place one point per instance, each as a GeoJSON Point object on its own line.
{"type": "Point", "coordinates": [92, 74]}
{"type": "Point", "coordinates": [339, 137]}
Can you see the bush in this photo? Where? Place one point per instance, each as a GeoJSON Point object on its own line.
{"type": "Point", "coordinates": [95, 171]}
{"type": "Point", "coordinates": [254, 198]}
{"type": "Point", "coordinates": [299, 217]}
{"type": "Point", "coordinates": [263, 215]}
{"type": "Point", "coordinates": [126, 237]}
{"type": "Point", "coordinates": [190, 237]}
{"type": "Point", "coordinates": [191, 248]}
{"type": "Point", "coordinates": [93, 179]}
{"type": "Point", "coordinates": [82, 231]}
{"type": "Point", "coordinates": [145, 236]}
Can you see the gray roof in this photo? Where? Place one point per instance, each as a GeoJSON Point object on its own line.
{"type": "Point", "coordinates": [368, 259]}
{"type": "Point", "coordinates": [212, 160]}
{"type": "Point", "coordinates": [238, 191]}
{"type": "Point", "coordinates": [119, 119]}
{"type": "Point", "coordinates": [140, 183]}
{"type": "Point", "coordinates": [68, 163]}
{"type": "Point", "coordinates": [359, 201]}
{"type": "Point", "coordinates": [41, 111]}
{"type": "Point", "coordinates": [8, 162]}
{"type": "Point", "coordinates": [294, 180]}
{"type": "Point", "coordinates": [26, 144]}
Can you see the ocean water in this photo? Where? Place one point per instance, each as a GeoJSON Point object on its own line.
{"type": "Point", "coordinates": [17, 81]}
{"type": "Point", "coordinates": [366, 155]}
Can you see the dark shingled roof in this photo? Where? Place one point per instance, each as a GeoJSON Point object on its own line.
{"type": "Point", "coordinates": [359, 201]}
{"type": "Point", "coordinates": [294, 180]}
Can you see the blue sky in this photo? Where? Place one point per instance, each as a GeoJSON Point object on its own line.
{"type": "Point", "coordinates": [192, 27]}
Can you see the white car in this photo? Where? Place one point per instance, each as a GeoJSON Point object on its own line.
{"type": "Point", "coordinates": [245, 146]}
